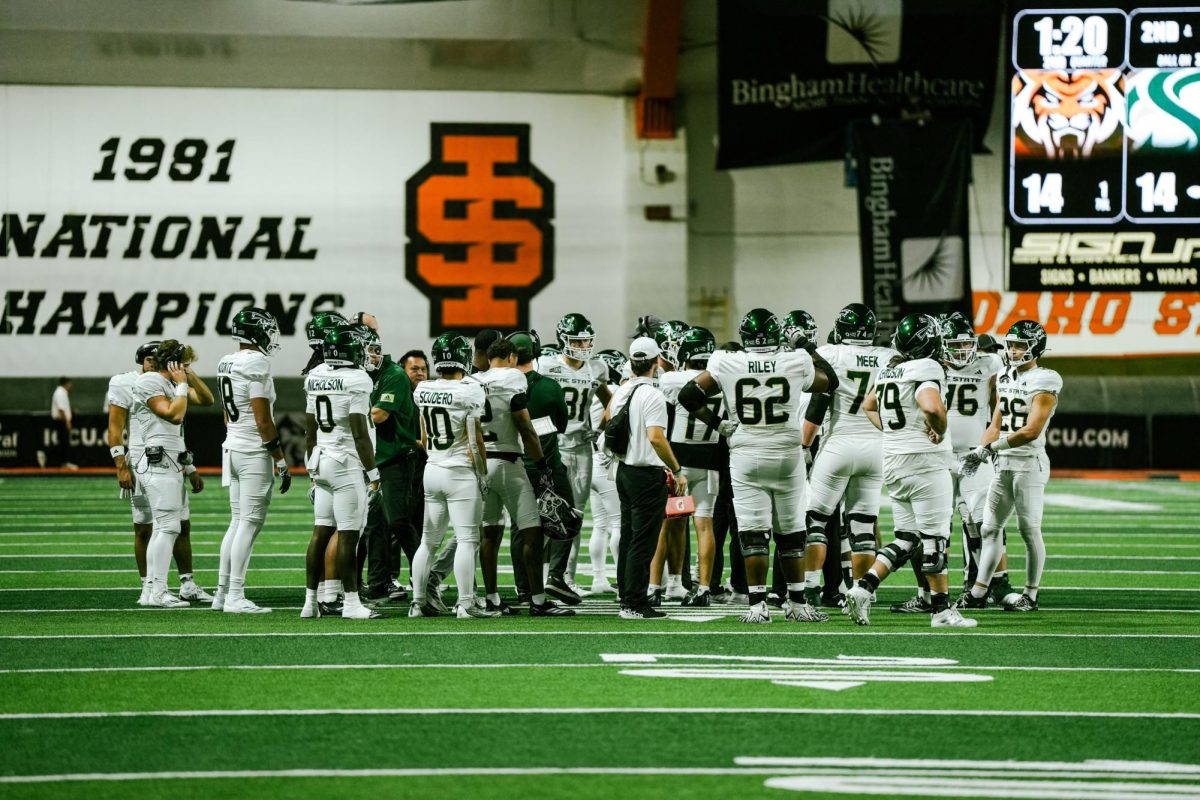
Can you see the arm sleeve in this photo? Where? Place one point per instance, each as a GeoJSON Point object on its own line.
{"type": "Point", "coordinates": [817, 407]}
{"type": "Point", "coordinates": [519, 402]}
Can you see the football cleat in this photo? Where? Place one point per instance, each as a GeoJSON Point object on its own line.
{"type": "Point", "coordinates": [1022, 603]}
{"type": "Point", "coordinates": [310, 611]}
{"type": "Point", "coordinates": [913, 605]}
{"type": "Point", "coordinates": [218, 602]}
{"type": "Point", "coordinates": [330, 609]}
{"type": "Point", "coordinates": [835, 600]}
{"type": "Point", "coordinates": [502, 608]}
{"type": "Point", "coordinates": [774, 600]}
{"type": "Point", "coordinates": [950, 618]}
{"type": "Point", "coordinates": [602, 587]}
{"type": "Point", "coordinates": [803, 612]}
{"type": "Point", "coordinates": [415, 609]}
{"type": "Point", "coordinates": [472, 611]}
{"type": "Point", "coordinates": [144, 597]}
{"type": "Point", "coordinates": [190, 590]}
{"type": "Point", "coordinates": [858, 601]}
{"type": "Point", "coordinates": [244, 606]}
{"type": "Point", "coordinates": [643, 612]}
{"type": "Point", "coordinates": [812, 595]}
{"type": "Point", "coordinates": [1001, 592]}
{"type": "Point", "coordinates": [550, 609]}
{"type": "Point", "coordinates": [758, 614]}
{"type": "Point", "coordinates": [559, 588]}
{"type": "Point", "coordinates": [968, 600]}
{"type": "Point", "coordinates": [360, 612]}
{"type": "Point", "coordinates": [675, 591]}
{"type": "Point", "coordinates": [720, 595]}
{"type": "Point", "coordinates": [164, 599]}
{"type": "Point", "coordinates": [698, 600]}
{"type": "Point", "coordinates": [397, 593]}
{"type": "Point", "coordinates": [654, 600]}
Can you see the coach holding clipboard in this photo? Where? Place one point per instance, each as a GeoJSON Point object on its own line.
{"type": "Point", "coordinates": [637, 436]}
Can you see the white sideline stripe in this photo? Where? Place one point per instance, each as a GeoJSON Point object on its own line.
{"type": "Point", "coordinates": [587, 607]}
{"type": "Point", "coordinates": [628, 631]}
{"type": "Point", "coordinates": [436, 712]}
{"type": "Point", "coordinates": [831, 670]}
{"type": "Point", "coordinates": [509, 586]}
{"type": "Point", "coordinates": [1088, 503]}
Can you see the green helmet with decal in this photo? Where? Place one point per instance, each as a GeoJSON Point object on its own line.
{"type": "Point", "coordinates": [258, 327]}
{"type": "Point", "coordinates": [667, 336]}
{"type": "Point", "coordinates": [802, 321]}
{"type": "Point", "coordinates": [760, 331]}
{"type": "Point", "coordinates": [959, 345]}
{"type": "Point", "coordinates": [343, 346]}
{"type": "Point", "coordinates": [320, 324]}
{"type": "Point", "coordinates": [1029, 338]}
{"type": "Point", "coordinates": [452, 352]}
{"type": "Point", "coordinates": [918, 336]}
{"type": "Point", "coordinates": [697, 344]}
{"type": "Point", "coordinates": [373, 345]}
{"type": "Point", "coordinates": [615, 360]}
{"type": "Point", "coordinates": [575, 336]}
{"type": "Point", "coordinates": [856, 324]}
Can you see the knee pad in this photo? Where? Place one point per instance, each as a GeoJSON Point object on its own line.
{"type": "Point", "coordinates": [971, 530]}
{"type": "Point", "coordinates": [816, 522]}
{"type": "Point", "coordinates": [467, 535]}
{"type": "Point", "coordinates": [862, 532]}
{"type": "Point", "coordinates": [934, 557]}
{"type": "Point", "coordinates": [991, 534]}
{"type": "Point", "coordinates": [755, 543]}
{"type": "Point", "coordinates": [790, 545]}
{"type": "Point", "coordinates": [899, 550]}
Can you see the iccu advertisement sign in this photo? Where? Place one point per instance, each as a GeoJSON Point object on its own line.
{"type": "Point", "coordinates": [130, 214]}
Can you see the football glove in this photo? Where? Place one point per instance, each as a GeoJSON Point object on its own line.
{"type": "Point", "coordinates": [560, 520]}
{"type": "Point", "coordinates": [726, 427]}
{"type": "Point", "coordinates": [808, 458]}
{"type": "Point", "coordinates": [372, 491]}
{"type": "Point", "coordinates": [799, 341]}
{"type": "Point", "coordinates": [972, 460]}
{"type": "Point", "coordinates": [485, 485]}
{"type": "Point", "coordinates": [284, 476]}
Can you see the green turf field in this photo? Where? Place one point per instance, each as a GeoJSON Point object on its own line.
{"type": "Point", "coordinates": [1096, 696]}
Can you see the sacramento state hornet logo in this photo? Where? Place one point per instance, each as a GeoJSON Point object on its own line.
{"type": "Point", "coordinates": [478, 219]}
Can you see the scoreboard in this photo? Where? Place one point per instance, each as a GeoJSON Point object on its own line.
{"type": "Point", "coordinates": [1102, 173]}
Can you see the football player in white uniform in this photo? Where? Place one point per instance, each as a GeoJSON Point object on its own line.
{"type": "Point", "coordinates": [851, 461]}
{"type": "Point", "coordinates": [1027, 395]}
{"type": "Point", "coordinates": [906, 405]}
{"type": "Point", "coordinates": [506, 428]}
{"type": "Point", "coordinates": [252, 457]}
{"type": "Point", "coordinates": [762, 387]}
{"type": "Point", "coordinates": [452, 410]}
{"type": "Point", "coordinates": [606, 506]}
{"type": "Point", "coordinates": [120, 401]}
{"type": "Point", "coordinates": [581, 378]}
{"type": "Point", "coordinates": [160, 403]}
{"type": "Point", "coordinates": [339, 448]}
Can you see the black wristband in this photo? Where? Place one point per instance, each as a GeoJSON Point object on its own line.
{"type": "Point", "coordinates": [271, 445]}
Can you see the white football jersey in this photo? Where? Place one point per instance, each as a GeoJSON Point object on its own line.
{"type": "Point", "coordinates": [120, 394]}
{"type": "Point", "coordinates": [241, 377]}
{"type": "Point", "coordinates": [445, 406]}
{"type": "Point", "coordinates": [684, 428]}
{"type": "Point", "coordinates": [896, 388]}
{"type": "Point", "coordinates": [968, 399]}
{"type": "Point", "coordinates": [763, 392]}
{"type": "Point", "coordinates": [332, 394]}
{"type": "Point", "coordinates": [501, 386]}
{"type": "Point", "coordinates": [578, 385]}
{"type": "Point", "coordinates": [156, 431]}
{"type": "Point", "coordinates": [598, 408]}
{"type": "Point", "coordinates": [1015, 392]}
{"type": "Point", "coordinates": [856, 367]}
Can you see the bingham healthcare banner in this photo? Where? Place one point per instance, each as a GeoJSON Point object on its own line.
{"type": "Point", "coordinates": [137, 213]}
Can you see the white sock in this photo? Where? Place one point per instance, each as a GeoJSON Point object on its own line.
{"type": "Point", "coordinates": [226, 550]}
{"type": "Point", "coordinates": [310, 597]}
{"type": "Point", "coordinates": [239, 561]}
{"type": "Point", "coordinates": [351, 601]}
{"type": "Point", "coordinates": [652, 588]}
{"type": "Point", "coordinates": [323, 591]}
{"type": "Point", "coordinates": [464, 570]}
{"type": "Point", "coordinates": [812, 579]}
{"type": "Point", "coordinates": [494, 597]}
{"type": "Point", "coordinates": [923, 594]}
{"type": "Point", "coordinates": [336, 587]}
{"type": "Point", "coordinates": [702, 589]}
{"type": "Point", "coordinates": [538, 599]}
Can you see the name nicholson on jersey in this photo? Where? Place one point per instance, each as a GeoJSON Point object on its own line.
{"type": "Point", "coordinates": [312, 384]}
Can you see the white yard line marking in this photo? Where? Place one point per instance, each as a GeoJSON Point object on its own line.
{"type": "Point", "coordinates": [1086, 503]}
{"type": "Point", "coordinates": [297, 588]}
{"type": "Point", "coordinates": [728, 611]}
{"type": "Point", "coordinates": [627, 631]}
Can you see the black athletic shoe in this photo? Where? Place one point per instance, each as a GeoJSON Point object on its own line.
{"type": "Point", "coordinates": [968, 600]}
{"type": "Point", "coordinates": [375, 593]}
{"type": "Point", "coordinates": [720, 595]}
{"type": "Point", "coordinates": [1023, 603]}
{"type": "Point", "coordinates": [812, 595]}
{"type": "Point", "coordinates": [398, 594]}
{"type": "Point", "coordinates": [504, 608]}
{"type": "Point", "coordinates": [522, 599]}
{"type": "Point", "coordinates": [913, 605]}
{"type": "Point", "coordinates": [559, 588]}
{"type": "Point", "coordinates": [655, 600]}
{"type": "Point", "coordinates": [774, 600]}
{"type": "Point", "coordinates": [550, 609]}
{"type": "Point", "coordinates": [330, 609]}
{"type": "Point", "coordinates": [641, 612]}
{"type": "Point", "coordinates": [698, 600]}
{"type": "Point", "coordinates": [999, 589]}
{"type": "Point", "coordinates": [835, 600]}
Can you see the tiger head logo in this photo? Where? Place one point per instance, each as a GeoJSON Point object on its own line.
{"type": "Point", "coordinates": [1066, 114]}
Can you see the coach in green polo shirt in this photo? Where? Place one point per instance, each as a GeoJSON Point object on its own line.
{"type": "Point", "coordinates": [398, 457]}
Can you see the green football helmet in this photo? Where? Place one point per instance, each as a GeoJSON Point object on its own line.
{"type": "Point", "coordinates": [344, 347]}
{"type": "Point", "coordinates": [760, 331]}
{"type": "Point", "coordinates": [856, 324]}
{"type": "Point", "coordinates": [575, 336]}
{"type": "Point", "coordinates": [320, 324]}
{"type": "Point", "coordinates": [256, 326]}
{"type": "Point", "coordinates": [615, 360]}
{"type": "Point", "coordinates": [959, 345]}
{"type": "Point", "coordinates": [452, 351]}
{"type": "Point", "coordinates": [373, 345]}
{"type": "Point", "coordinates": [802, 321]}
{"type": "Point", "coordinates": [1028, 338]}
{"type": "Point", "coordinates": [528, 345]}
{"type": "Point", "coordinates": [697, 344]}
{"type": "Point", "coordinates": [550, 349]}
{"type": "Point", "coordinates": [917, 336]}
{"type": "Point", "coordinates": [666, 336]}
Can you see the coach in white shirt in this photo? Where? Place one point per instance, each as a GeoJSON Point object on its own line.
{"type": "Point", "coordinates": [642, 479]}
{"type": "Point", "coordinates": [60, 416]}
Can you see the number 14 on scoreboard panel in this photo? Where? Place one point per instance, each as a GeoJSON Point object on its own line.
{"type": "Point", "coordinates": [1154, 193]}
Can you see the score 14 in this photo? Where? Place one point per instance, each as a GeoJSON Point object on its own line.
{"type": "Point", "coordinates": [1158, 191]}
{"type": "Point", "coordinates": [1044, 192]}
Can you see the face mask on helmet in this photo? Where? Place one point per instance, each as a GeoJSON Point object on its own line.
{"type": "Point", "coordinates": [1018, 350]}
{"type": "Point", "coordinates": [960, 352]}
{"type": "Point", "coordinates": [576, 337]}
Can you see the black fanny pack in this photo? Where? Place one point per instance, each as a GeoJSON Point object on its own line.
{"type": "Point", "coordinates": [155, 455]}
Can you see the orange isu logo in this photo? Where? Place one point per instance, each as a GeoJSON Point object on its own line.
{"type": "Point", "coordinates": [478, 218]}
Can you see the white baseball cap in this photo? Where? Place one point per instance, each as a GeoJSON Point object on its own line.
{"type": "Point", "coordinates": [643, 349]}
